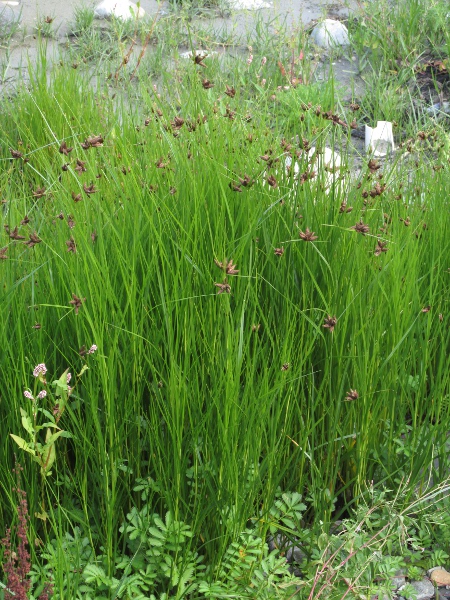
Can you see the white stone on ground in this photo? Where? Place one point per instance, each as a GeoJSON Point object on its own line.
{"type": "Point", "coordinates": [330, 33]}
{"type": "Point", "coordinates": [379, 140]}
{"type": "Point", "coordinates": [122, 9]}
{"type": "Point", "coordinates": [327, 162]}
{"type": "Point", "coordinates": [190, 54]}
{"type": "Point", "coordinates": [424, 589]}
{"type": "Point", "coordinates": [248, 4]}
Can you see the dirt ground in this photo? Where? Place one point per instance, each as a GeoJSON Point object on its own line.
{"type": "Point", "coordinates": [293, 13]}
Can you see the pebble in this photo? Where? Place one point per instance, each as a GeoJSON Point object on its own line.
{"type": "Point", "coordinates": [248, 4]}
{"type": "Point", "coordinates": [329, 34]}
{"type": "Point", "coordinates": [190, 54]}
{"type": "Point", "coordinates": [440, 576]}
{"type": "Point", "coordinates": [122, 9]}
{"type": "Point", "coordinates": [424, 589]}
{"type": "Point", "coordinates": [293, 553]}
{"type": "Point", "coordinates": [437, 109]}
{"type": "Point", "coordinates": [398, 580]}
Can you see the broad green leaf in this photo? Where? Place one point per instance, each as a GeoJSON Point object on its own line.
{"type": "Point", "coordinates": [60, 384]}
{"type": "Point", "coordinates": [85, 368]}
{"type": "Point", "coordinates": [49, 452]}
{"type": "Point", "coordinates": [22, 444]}
{"type": "Point", "coordinates": [48, 424]}
{"type": "Point", "coordinates": [51, 439]}
{"type": "Point", "coordinates": [47, 414]}
{"type": "Point", "coordinates": [27, 423]}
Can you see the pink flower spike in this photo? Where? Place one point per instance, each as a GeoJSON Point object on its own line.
{"type": "Point", "coordinates": [92, 349]}
{"type": "Point", "coordinates": [263, 61]}
{"type": "Point", "coordinates": [250, 59]}
{"type": "Point", "coordinates": [28, 395]}
{"type": "Point", "coordinates": [40, 369]}
{"type": "Point", "coordinates": [41, 394]}
{"type": "Point", "coordinates": [69, 377]}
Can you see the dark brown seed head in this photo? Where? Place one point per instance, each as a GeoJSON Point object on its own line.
{"type": "Point", "coordinates": [224, 288]}
{"type": "Point", "coordinates": [95, 141]}
{"type": "Point", "coordinates": [64, 149]}
{"type": "Point", "coordinates": [230, 114]}
{"type": "Point", "coordinates": [177, 123]}
{"type": "Point", "coordinates": [229, 267]}
{"type": "Point", "coordinates": [279, 251]}
{"type": "Point", "coordinates": [361, 228]}
{"type": "Point", "coordinates": [381, 247]}
{"type": "Point", "coordinates": [199, 58]}
{"type": "Point", "coordinates": [308, 235]}
{"type": "Point", "coordinates": [80, 168]}
{"type": "Point", "coordinates": [351, 395]}
{"type": "Point", "coordinates": [234, 186]}
{"type": "Point", "coordinates": [14, 234]}
{"type": "Point", "coordinates": [330, 323]}
{"type": "Point", "coordinates": [76, 302]}
{"type": "Point", "coordinates": [272, 181]}
{"type": "Point", "coordinates": [207, 85]}
{"type": "Point", "coordinates": [34, 239]}
{"type": "Point", "coordinates": [344, 208]}
{"type": "Point", "coordinates": [230, 91]}
{"type": "Point", "coordinates": [15, 153]}
{"type": "Point", "coordinates": [89, 189]}
{"type": "Point", "coordinates": [246, 181]}
{"type": "Point", "coordinates": [71, 246]}
{"type": "Point", "coordinates": [373, 165]}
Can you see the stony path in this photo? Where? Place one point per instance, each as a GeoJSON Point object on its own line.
{"type": "Point", "coordinates": [294, 11]}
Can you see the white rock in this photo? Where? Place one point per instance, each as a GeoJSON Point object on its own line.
{"type": "Point", "coordinates": [248, 4]}
{"type": "Point", "coordinates": [190, 54]}
{"type": "Point", "coordinates": [327, 166]}
{"type": "Point", "coordinates": [330, 33]}
{"type": "Point", "coordinates": [424, 589]}
{"type": "Point", "coordinates": [379, 140]}
{"type": "Point", "coordinates": [122, 9]}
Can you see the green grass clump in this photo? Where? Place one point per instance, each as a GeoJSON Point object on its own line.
{"type": "Point", "coordinates": [258, 329]}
